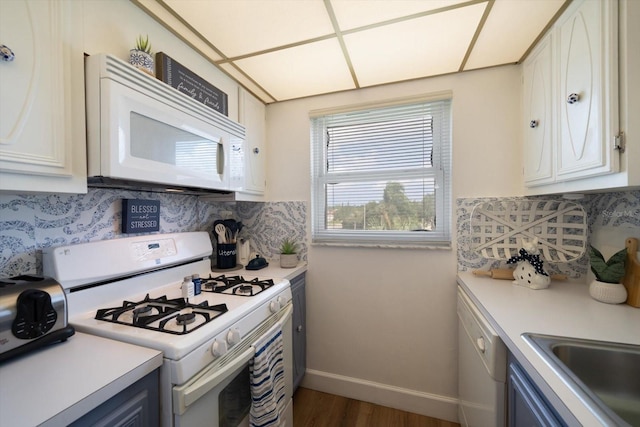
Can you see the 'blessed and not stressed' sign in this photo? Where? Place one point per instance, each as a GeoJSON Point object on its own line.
{"type": "Point", "coordinates": [140, 216]}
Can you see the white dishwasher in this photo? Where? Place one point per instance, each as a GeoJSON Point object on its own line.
{"type": "Point", "coordinates": [482, 368]}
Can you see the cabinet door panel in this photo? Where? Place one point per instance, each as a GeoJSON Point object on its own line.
{"type": "Point", "coordinates": [252, 116]}
{"type": "Point", "coordinates": [538, 160]}
{"type": "Point", "coordinates": [586, 134]}
{"type": "Point", "coordinates": [42, 138]}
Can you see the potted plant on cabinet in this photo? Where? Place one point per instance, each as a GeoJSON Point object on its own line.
{"type": "Point", "coordinates": [141, 57]}
{"type": "Point", "coordinates": [288, 253]}
{"type": "Point", "coordinates": [607, 286]}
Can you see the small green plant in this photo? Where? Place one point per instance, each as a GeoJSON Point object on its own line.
{"type": "Point", "coordinates": [142, 43]}
{"type": "Point", "coordinates": [611, 271]}
{"type": "Point", "coordinates": [288, 246]}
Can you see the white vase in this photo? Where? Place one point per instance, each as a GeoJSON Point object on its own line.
{"type": "Point", "coordinates": [288, 260]}
{"type": "Point", "coordinates": [142, 61]}
{"type": "Point", "coordinates": [610, 293]}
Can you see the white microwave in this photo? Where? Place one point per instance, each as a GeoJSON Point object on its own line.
{"type": "Point", "coordinates": [144, 134]}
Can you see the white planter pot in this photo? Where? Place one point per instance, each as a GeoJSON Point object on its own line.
{"type": "Point", "coordinates": [288, 260]}
{"type": "Point", "coordinates": [142, 61]}
{"type": "Point", "coordinates": [610, 293]}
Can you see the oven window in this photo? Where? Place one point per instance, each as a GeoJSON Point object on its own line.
{"type": "Point", "coordinates": [234, 401]}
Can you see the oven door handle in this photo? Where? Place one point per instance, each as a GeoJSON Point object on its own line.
{"type": "Point", "coordinates": [199, 388]}
{"type": "Point", "coordinates": [189, 393]}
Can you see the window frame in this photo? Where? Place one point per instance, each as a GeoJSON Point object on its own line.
{"type": "Point", "coordinates": [441, 171]}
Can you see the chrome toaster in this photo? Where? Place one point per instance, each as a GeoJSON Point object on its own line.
{"type": "Point", "coordinates": [33, 313]}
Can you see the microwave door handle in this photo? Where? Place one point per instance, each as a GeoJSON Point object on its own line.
{"type": "Point", "coordinates": [202, 386]}
{"type": "Point", "coordinates": [220, 157]}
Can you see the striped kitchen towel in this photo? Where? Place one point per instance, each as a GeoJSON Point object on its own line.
{"type": "Point", "coordinates": [268, 398]}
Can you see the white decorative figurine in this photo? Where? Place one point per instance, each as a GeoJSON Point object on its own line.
{"type": "Point", "coordinates": [529, 271]}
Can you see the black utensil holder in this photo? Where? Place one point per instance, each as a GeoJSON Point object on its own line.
{"type": "Point", "coordinates": [226, 255]}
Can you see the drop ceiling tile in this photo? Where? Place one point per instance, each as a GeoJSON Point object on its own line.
{"type": "Point", "coordinates": [426, 46]}
{"type": "Point", "coordinates": [239, 27]}
{"type": "Point", "coordinates": [300, 71]}
{"type": "Point", "coordinates": [352, 14]}
{"type": "Point", "coordinates": [509, 30]}
{"type": "Point", "coordinates": [247, 83]}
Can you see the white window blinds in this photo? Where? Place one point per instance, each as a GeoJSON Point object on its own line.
{"type": "Point", "coordinates": [381, 176]}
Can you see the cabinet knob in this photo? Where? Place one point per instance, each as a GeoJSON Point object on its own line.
{"type": "Point", "coordinates": [533, 124]}
{"type": "Point", "coordinates": [256, 150]}
{"type": "Point", "coordinates": [299, 328]}
{"type": "Point", "coordinates": [6, 54]}
{"type": "Point", "coordinates": [573, 98]}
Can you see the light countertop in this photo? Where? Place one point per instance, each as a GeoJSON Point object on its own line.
{"type": "Point", "coordinates": [564, 309]}
{"type": "Point", "coordinates": [57, 384]}
{"type": "Point", "coordinates": [272, 271]}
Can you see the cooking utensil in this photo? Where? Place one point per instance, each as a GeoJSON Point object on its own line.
{"type": "Point", "coordinates": [221, 231]}
{"type": "Point", "coordinates": [631, 278]}
{"type": "Point", "coordinates": [507, 274]}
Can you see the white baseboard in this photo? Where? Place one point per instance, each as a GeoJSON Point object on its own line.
{"type": "Point", "coordinates": [417, 402]}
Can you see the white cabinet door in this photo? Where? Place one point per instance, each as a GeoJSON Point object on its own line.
{"type": "Point", "coordinates": [42, 126]}
{"type": "Point", "coordinates": [252, 116]}
{"type": "Point", "coordinates": [587, 99]}
{"type": "Point", "coordinates": [538, 115]}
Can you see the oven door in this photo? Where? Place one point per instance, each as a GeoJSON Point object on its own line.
{"type": "Point", "coordinates": [220, 396]}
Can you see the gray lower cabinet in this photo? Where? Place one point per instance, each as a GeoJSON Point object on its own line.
{"type": "Point", "coordinates": [299, 329]}
{"type": "Point", "coordinates": [135, 406]}
{"type": "Point", "coordinates": [526, 405]}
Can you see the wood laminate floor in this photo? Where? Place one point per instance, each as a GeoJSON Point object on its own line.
{"type": "Point", "coordinates": [317, 409]}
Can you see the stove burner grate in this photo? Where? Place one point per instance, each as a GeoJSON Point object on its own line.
{"type": "Point", "coordinates": [162, 310]}
{"type": "Point", "coordinates": [235, 285]}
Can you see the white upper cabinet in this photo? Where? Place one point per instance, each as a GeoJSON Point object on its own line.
{"type": "Point", "coordinates": [42, 123]}
{"type": "Point", "coordinates": [570, 102]}
{"type": "Point", "coordinates": [538, 113]}
{"type": "Point", "coordinates": [252, 115]}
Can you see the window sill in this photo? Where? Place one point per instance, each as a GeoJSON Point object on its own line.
{"type": "Point", "coordinates": [427, 246]}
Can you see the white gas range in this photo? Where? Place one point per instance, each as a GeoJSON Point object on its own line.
{"type": "Point", "coordinates": [131, 290]}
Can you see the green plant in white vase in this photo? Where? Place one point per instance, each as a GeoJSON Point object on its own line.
{"type": "Point", "coordinates": [608, 287]}
{"type": "Point", "coordinates": [141, 56]}
{"type": "Point", "coordinates": [288, 253]}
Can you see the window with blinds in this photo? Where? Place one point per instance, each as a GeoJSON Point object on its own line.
{"type": "Point", "coordinates": [381, 176]}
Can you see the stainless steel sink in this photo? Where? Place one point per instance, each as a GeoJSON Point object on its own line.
{"type": "Point", "coordinates": [605, 375]}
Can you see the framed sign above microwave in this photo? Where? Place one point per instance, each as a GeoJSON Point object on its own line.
{"type": "Point", "coordinates": [181, 78]}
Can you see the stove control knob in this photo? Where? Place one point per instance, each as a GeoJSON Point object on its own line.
{"type": "Point", "coordinates": [282, 301]}
{"type": "Point", "coordinates": [218, 348]}
{"type": "Point", "coordinates": [273, 306]}
{"type": "Point", "coordinates": [233, 337]}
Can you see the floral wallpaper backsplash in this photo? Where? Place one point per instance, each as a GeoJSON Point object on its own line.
{"type": "Point", "coordinates": [30, 222]}
{"type": "Point", "coordinates": [614, 214]}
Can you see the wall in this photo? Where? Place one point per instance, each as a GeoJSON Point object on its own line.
{"type": "Point", "coordinates": [30, 222]}
{"type": "Point", "coordinates": [382, 322]}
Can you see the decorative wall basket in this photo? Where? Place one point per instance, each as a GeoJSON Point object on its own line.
{"type": "Point", "coordinates": [499, 227]}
